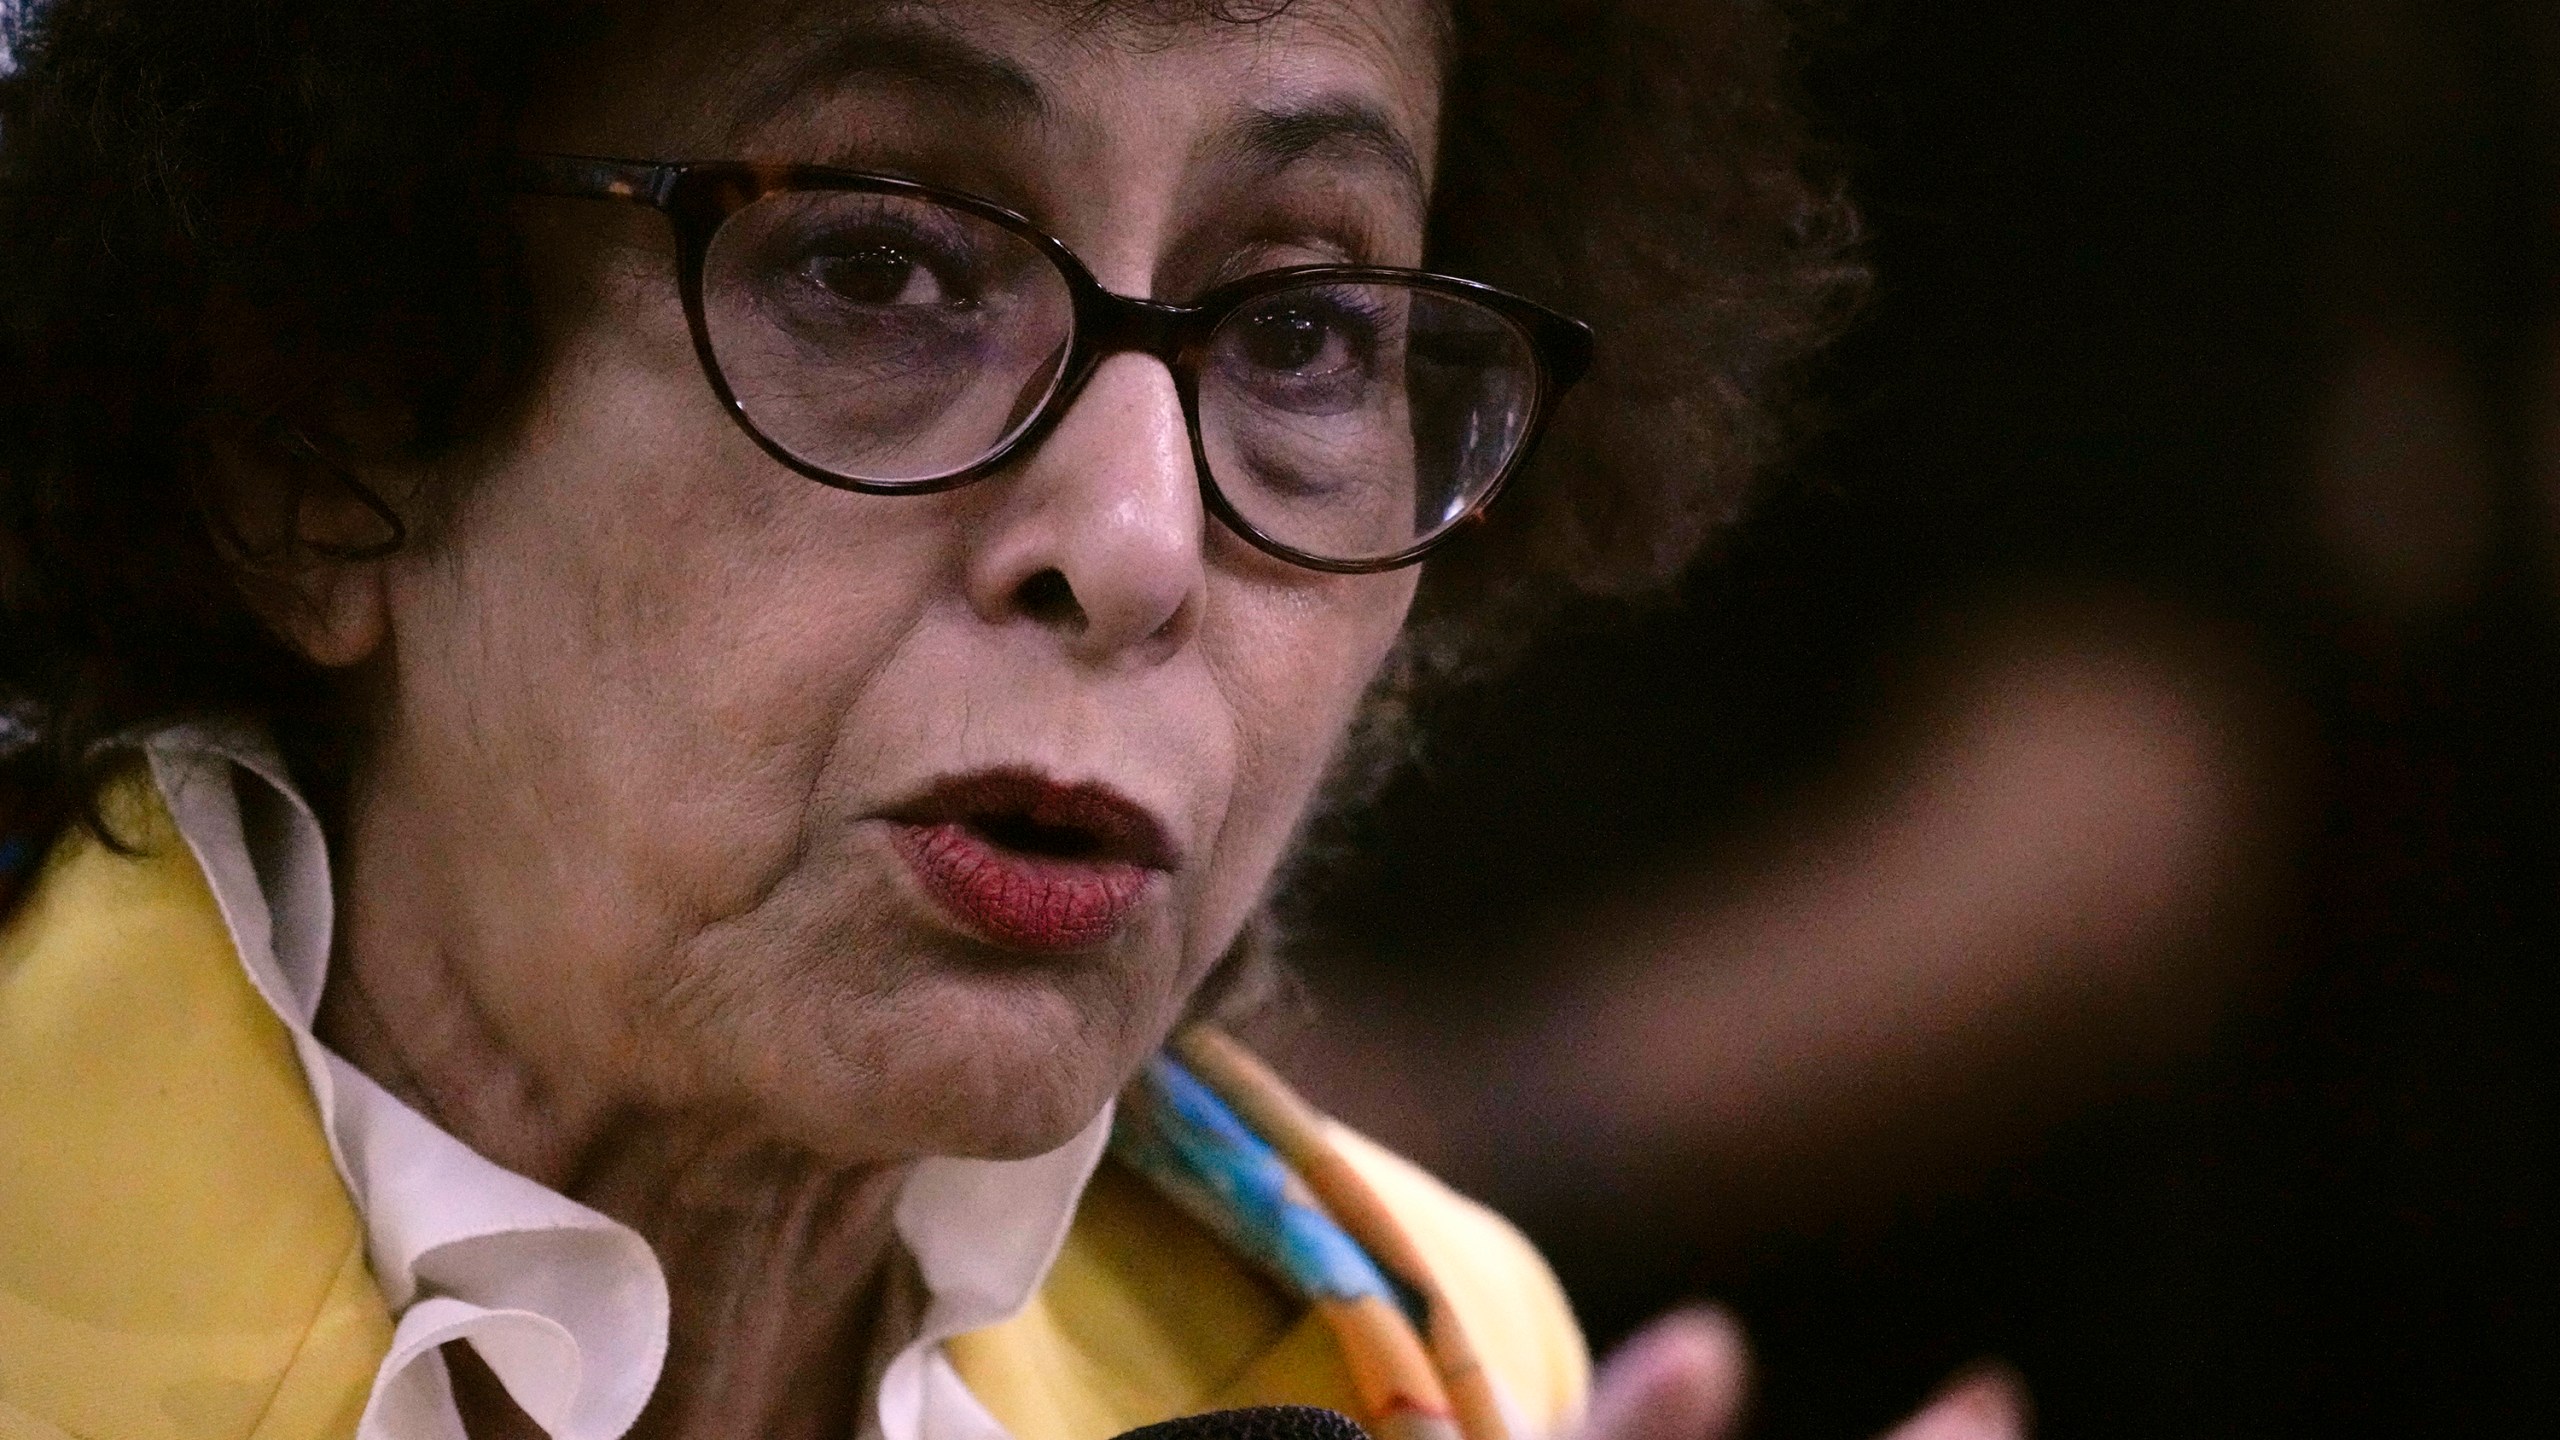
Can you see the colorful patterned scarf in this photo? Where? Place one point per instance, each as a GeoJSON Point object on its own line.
{"type": "Point", "coordinates": [1213, 1130]}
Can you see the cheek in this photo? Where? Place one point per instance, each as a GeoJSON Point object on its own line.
{"type": "Point", "coordinates": [1294, 663]}
{"type": "Point", "coordinates": [642, 638]}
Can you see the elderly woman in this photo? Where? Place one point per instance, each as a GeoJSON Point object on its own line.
{"type": "Point", "coordinates": [651, 648]}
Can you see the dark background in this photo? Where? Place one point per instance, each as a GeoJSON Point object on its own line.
{"type": "Point", "coordinates": [2122, 251]}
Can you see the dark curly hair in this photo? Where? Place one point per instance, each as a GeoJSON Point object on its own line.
{"type": "Point", "coordinates": [266, 216]}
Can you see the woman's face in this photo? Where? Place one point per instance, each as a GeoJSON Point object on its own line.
{"type": "Point", "coordinates": [888, 825]}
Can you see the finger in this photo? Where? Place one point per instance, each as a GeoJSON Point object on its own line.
{"type": "Point", "coordinates": [1683, 1377]}
{"type": "Point", "coordinates": [1985, 1404]}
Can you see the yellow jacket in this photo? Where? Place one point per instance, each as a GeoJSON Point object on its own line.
{"type": "Point", "coordinates": [179, 1260]}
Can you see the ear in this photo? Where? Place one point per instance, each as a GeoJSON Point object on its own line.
{"type": "Point", "coordinates": [309, 540]}
{"type": "Point", "coordinates": [339, 612]}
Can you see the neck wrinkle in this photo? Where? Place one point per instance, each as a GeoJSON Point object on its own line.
{"type": "Point", "coordinates": [777, 1260]}
{"type": "Point", "coordinates": [777, 1265]}
{"type": "Point", "coordinates": [412, 1025]}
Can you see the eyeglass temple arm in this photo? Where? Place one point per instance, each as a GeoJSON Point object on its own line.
{"type": "Point", "coordinates": [1569, 344]}
{"type": "Point", "coordinates": [588, 177]}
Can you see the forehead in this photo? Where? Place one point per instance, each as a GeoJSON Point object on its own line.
{"type": "Point", "coordinates": [704, 78]}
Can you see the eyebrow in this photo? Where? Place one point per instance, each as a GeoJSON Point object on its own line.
{"type": "Point", "coordinates": [905, 51]}
{"type": "Point", "coordinates": [1275, 139]}
{"type": "Point", "coordinates": [911, 51]}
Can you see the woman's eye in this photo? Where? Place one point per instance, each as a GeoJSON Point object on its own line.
{"type": "Point", "coordinates": [1300, 339]}
{"type": "Point", "coordinates": [880, 275]}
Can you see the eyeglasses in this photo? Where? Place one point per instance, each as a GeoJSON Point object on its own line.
{"type": "Point", "coordinates": [889, 337]}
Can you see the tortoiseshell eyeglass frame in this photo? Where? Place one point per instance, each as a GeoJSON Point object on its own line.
{"type": "Point", "coordinates": [699, 197]}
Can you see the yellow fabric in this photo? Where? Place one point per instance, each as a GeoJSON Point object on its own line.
{"type": "Point", "coordinates": [1147, 1317]}
{"type": "Point", "coordinates": [178, 1258]}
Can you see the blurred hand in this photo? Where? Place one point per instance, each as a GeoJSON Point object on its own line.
{"type": "Point", "coordinates": [1685, 1377]}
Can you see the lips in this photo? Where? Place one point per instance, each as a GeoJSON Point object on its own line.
{"type": "Point", "coordinates": [1032, 864]}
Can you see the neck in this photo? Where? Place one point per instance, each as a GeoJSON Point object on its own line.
{"type": "Point", "coordinates": [779, 1270]}
{"type": "Point", "coordinates": [777, 1261]}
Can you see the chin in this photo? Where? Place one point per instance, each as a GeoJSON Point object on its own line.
{"type": "Point", "coordinates": [992, 1064]}
{"type": "Point", "coordinates": [1015, 1106]}
{"type": "Point", "coordinates": [1022, 1135]}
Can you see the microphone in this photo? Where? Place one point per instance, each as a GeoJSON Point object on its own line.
{"type": "Point", "coordinates": [1258, 1422]}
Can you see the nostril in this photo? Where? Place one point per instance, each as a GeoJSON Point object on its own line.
{"type": "Point", "coordinates": [1049, 599]}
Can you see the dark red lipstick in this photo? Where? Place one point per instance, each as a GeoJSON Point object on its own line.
{"type": "Point", "coordinates": [1032, 864]}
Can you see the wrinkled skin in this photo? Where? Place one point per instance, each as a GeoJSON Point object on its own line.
{"type": "Point", "coordinates": [619, 903]}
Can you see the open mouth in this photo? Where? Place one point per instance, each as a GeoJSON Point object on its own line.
{"type": "Point", "coordinates": [1031, 864]}
{"type": "Point", "coordinates": [1021, 812]}
{"type": "Point", "coordinates": [1019, 832]}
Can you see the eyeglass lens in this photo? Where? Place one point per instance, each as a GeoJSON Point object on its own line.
{"type": "Point", "coordinates": [880, 337]}
{"type": "Point", "coordinates": [1354, 420]}
{"type": "Point", "coordinates": [892, 339]}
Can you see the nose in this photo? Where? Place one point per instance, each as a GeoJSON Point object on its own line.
{"type": "Point", "coordinates": [1098, 535]}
